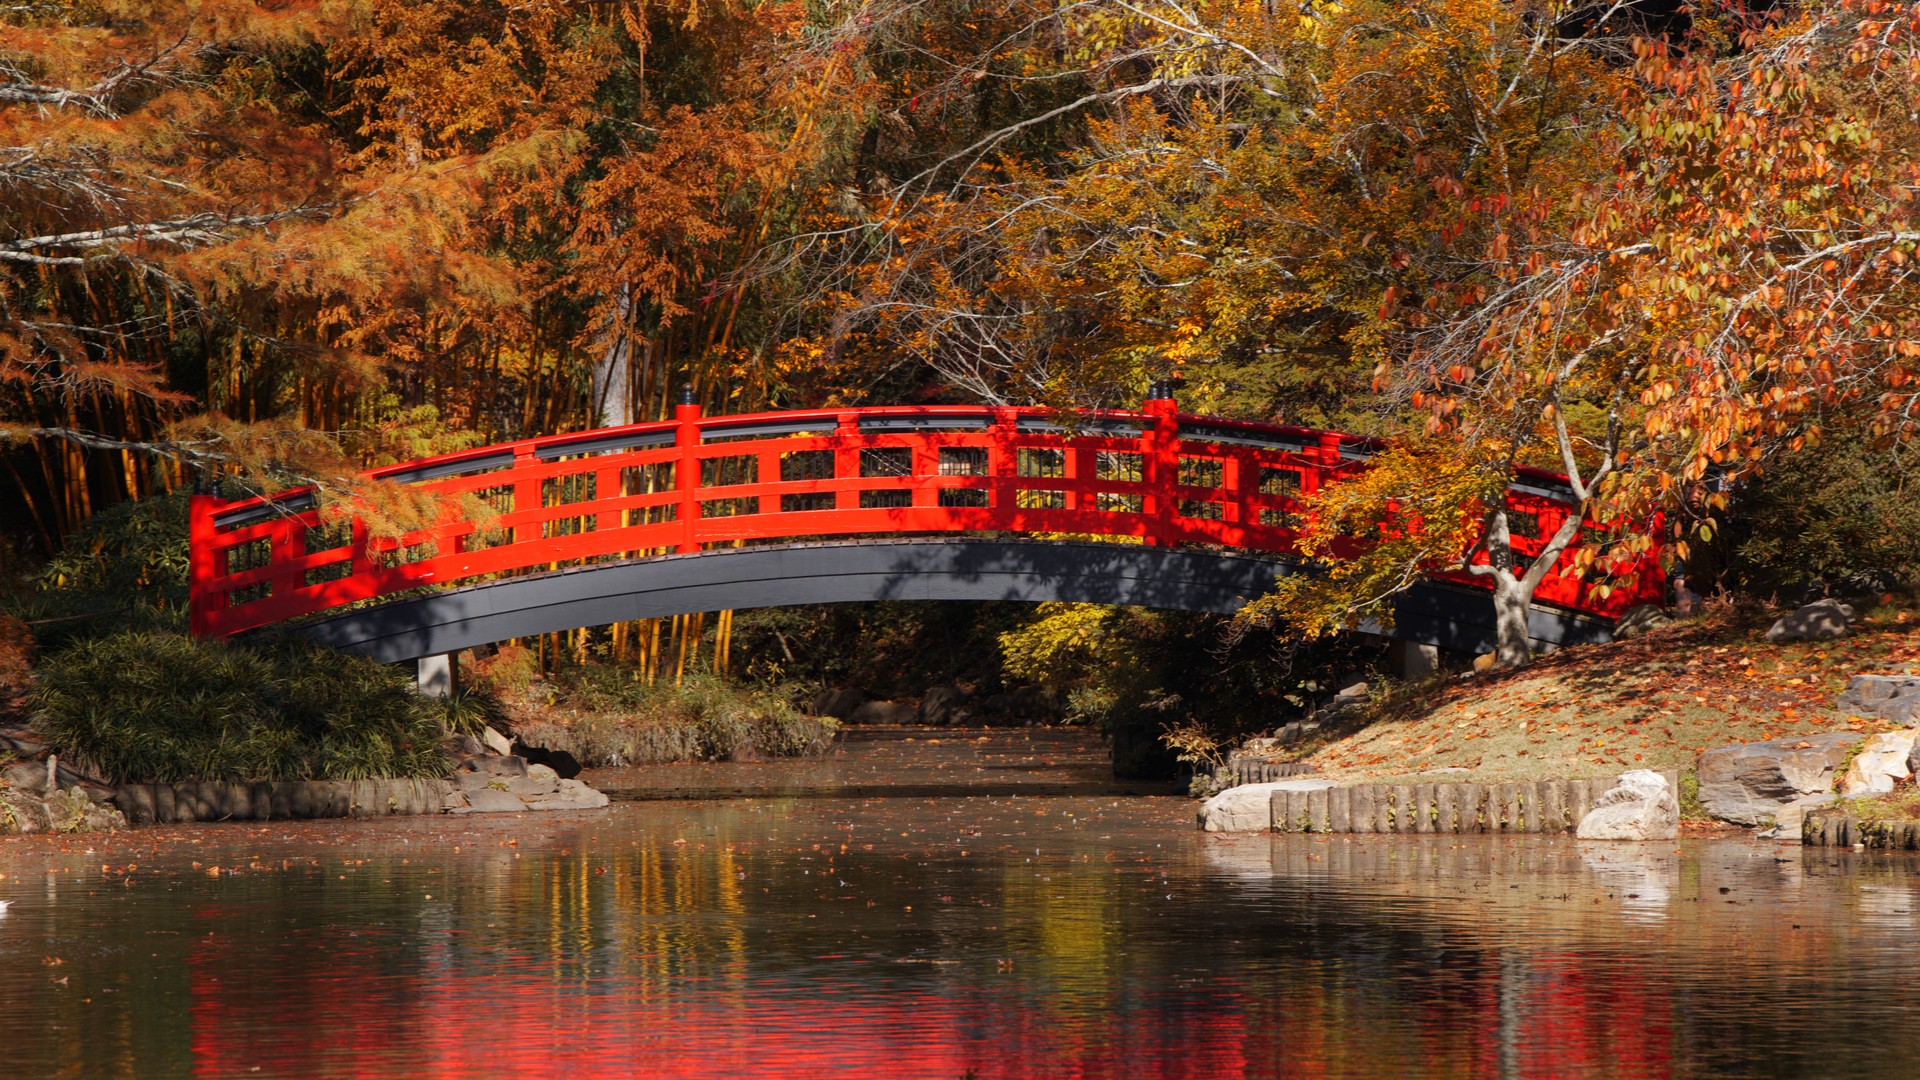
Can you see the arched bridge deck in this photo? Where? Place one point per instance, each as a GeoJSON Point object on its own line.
{"type": "Point", "coordinates": [1184, 579]}
{"type": "Point", "coordinates": [704, 513]}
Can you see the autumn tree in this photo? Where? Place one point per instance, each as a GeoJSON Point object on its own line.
{"type": "Point", "coordinates": [279, 244]}
{"type": "Point", "coordinates": [1640, 249]}
{"type": "Point", "coordinates": [1272, 206]}
{"type": "Point", "coordinates": [1743, 270]}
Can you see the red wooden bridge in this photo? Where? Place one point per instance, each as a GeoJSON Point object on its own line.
{"type": "Point", "coordinates": [702, 513]}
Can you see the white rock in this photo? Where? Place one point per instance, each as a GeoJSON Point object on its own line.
{"type": "Point", "coordinates": [496, 742]}
{"type": "Point", "coordinates": [1882, 760]}
{"type": "Point", "coordinates": [1249, 807]}
{"type": "Point", "coordinates": [1641, 806]}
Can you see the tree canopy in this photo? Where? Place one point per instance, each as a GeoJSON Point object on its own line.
{"type": "Point", "coordinates": [1657, 246]}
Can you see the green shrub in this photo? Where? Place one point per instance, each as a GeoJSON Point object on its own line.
{"type": "Point", "coordinates": [607, 717]}
{"type": "Point", "coordinates": [1830, 510]}
{"type": "Point", "coordinates": [150, 707]}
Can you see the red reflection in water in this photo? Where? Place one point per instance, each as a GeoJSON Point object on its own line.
{"type": "Point", "coordinates": [350, 1015]}
{"type": "Point", "coordinates": [1581, 1018]}
{"type": "Point", "coordinates": [337, 1003]}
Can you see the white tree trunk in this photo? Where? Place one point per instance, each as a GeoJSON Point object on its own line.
{"type": "Point", "coordinates": [1513, 588]}
{"type": "Point", "coordinates": [612, 381]}
{"type": "Point", "coordinates": [1512, 643]}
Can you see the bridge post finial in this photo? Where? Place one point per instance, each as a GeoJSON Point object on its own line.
{"type": "Point", "coordinates": [1162, 389]}
{"type": "Point", "coordinates": [686, 471]}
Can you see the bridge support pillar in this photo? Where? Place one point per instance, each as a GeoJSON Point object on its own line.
{"type": "Point", "coordinates": [437, 676]}
{"type": "Point", "coordinates": [1412, 659]}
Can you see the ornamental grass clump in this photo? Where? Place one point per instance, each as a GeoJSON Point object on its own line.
{"type": "Point", "coordinates": [604, 716]}
{"type": "Point", "coordinates": [148, 707]}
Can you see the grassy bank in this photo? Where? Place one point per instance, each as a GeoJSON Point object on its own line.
{"type": "Point", "coordinates": [605, 715]}
{"type": "Point", "coordinates": [1655, 702]}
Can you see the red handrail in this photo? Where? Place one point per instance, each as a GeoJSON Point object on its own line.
{"type": "Point", "coordinates": [695, 482]}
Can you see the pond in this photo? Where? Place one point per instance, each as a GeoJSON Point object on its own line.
{"type": "Point", "coordinates": [1047, 928]}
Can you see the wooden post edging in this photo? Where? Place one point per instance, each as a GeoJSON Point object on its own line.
{"type": "Point", "coordinates": [1835, 828]}
{"type": "Point", "coordinates": [1541, 806]}
{"type": "Point", "coordinates": [264, 800]}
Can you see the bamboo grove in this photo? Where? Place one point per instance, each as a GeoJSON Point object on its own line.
{"type": "Point", "coordinates": [1661, 246]}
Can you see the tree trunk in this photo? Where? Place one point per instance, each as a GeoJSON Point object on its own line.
{"type": "Point", "coordinates": [1513, 587]}
{"type": "Point", "coordinates": [613, 402]}
{"type": "Point", "coordinates": [1513, 645]}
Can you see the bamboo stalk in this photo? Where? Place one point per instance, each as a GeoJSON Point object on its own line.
{"type": "Point", "coordinates": [680, 626]}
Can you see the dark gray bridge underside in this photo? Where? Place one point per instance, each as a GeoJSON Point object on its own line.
{"type": "Point", "coordinates": [1185, 579]}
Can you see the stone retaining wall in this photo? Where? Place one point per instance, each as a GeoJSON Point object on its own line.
{"type": "Point", "coordinates": [278, 800]}
{"type": "Point", "coordinates": [1539, 806]}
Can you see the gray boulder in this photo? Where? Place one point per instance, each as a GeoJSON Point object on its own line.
{"type": "Point", "coordinates": [489, 801]}
{"type": "Point", "coordinates": [1749, 783]}
{"type": "Point", "coordinates": [1641, 806]}
{"type": "Point", "coordinates": [495, 765]}
{"type": "Point", "coordinates": [1822, 620]}
{"type": "Point", "coordinates": [571, 795]}
{"type": "Point", "coordinates": [1788, 818]}
{"type": "Point", "coordinates": [1887, 697]}
{"type": "Point", "coordinates": [539, 781]}
{"type": "Point", "coordinates": [1643, 619]}
{"type": "Point", "coordinates": [944, 705]}
{"type": "Point", "coordinates": [496, 742]}
{"type": "Point", "coordinates": [838, 703]}
{"type": "Point", "coordinates": [884, 712]}
{"type": "Point", "coordinates": [26, 776]}
{"type": "Point", "coordinates": [1249, 807]}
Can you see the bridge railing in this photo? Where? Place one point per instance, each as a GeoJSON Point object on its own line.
{"type": "Point", "coordinates": [697, 482]}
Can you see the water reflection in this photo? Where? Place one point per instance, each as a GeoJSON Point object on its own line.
{"type": "Point", "coordinates": [943, 937]}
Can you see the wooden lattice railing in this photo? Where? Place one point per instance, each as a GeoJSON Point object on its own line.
{"type": "Point", "coordinates": [697, 482]}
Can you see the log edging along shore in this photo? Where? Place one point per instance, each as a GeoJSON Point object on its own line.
{"type": "Point", "coordinates": [276, 800]}
{"type": "Point", "coordinates": [1538, 806]}
{"type": "Point", "coordinates": [1260, 772]}
{"type": "Point", "coordinates": [1836, 828]}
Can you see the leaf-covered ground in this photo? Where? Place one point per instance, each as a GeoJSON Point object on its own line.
{"type": "Point", "coordinates": [1655, 702]}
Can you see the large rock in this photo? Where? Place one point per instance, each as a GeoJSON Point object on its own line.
{"type": "Point", "coordinates": [837, 703]}
{"type": "Point", "coordinates": [496, 765]}
{"type": "Point", "coordinates": [1749, 783]}
{"type": "Point", "coordinates": [944, 705]}
{"type": "Point", "coordinates": [1641, 619]}
{"type": "Point", "coordinates": [884, 712]}
{"type": "Point", "coordinates": [26, 776]}
{"type": "Point", "coordinates": [1641, 806]}
{"type": "Point", "coordinates": [1788, 818]}
{"type": "Point", "coordinates": [1882, 760]}
{"type": "Point", "coordinates": [571, 795]}
{"type": "Point", "coordinates": [539, 782]}
{"type": "Point", "coordinates": [489, 801]}
{"type": "Point", "coordinates": [1888, 697]}
{"type": "Point", "coordinates": [496, 742]}
{"type": "Point", "coordinates": [1249, 807]}
{"type": "Point", "coordinates": [1822, 620]}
